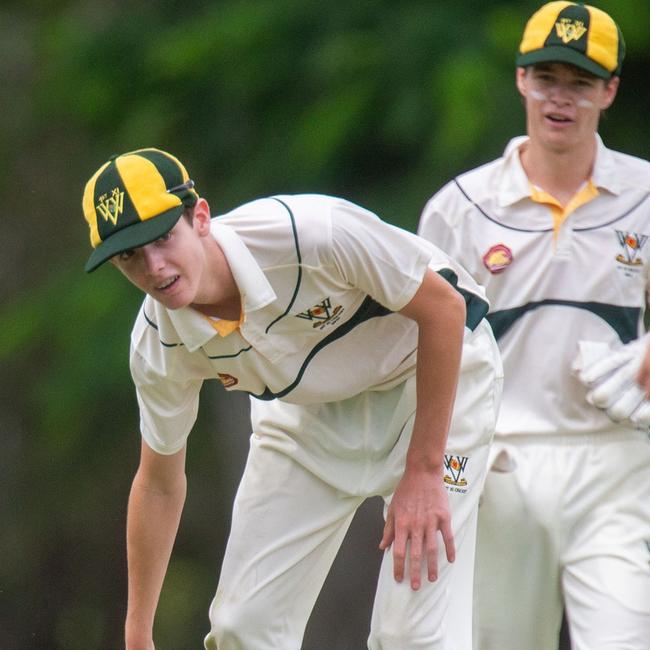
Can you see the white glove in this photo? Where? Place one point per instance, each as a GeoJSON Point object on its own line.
{"type": "Point", "coordinates": [610, 377]}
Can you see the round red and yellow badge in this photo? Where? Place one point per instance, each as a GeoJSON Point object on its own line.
{"type": "Point", "coordinates": [498, 258]}
{"type": "Point", "coordinates": [227, 380]}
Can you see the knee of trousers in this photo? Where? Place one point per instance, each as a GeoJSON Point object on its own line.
{"type": "Point", "coordinates": [239, 626]}
{"type": "Point", "coordinates": [387, 638]}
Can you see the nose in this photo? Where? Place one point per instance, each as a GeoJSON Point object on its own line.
{"type": "Point", "coordinates": [561, 94]}
{"type": "Point", "coordinates": [153, 259]}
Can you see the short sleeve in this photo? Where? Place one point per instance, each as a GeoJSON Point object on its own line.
{"type": "Point", "coordinates": [440, 222]}
{"type": "Point", "coordinates": [168, 408]}
{"type": "Point", "coordinates": [384, 261]}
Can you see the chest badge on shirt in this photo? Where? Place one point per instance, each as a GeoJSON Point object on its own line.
{"type": "Point", "coordinates": [455, 466]}
{"type": "Point", "coordinates": [322, 314]}
{"type": "Point", "coordinates": [631, 243]}
{"type": "Point", "coordinates": [498, 258]}
{"type": "Point", "coordinates": [227, 380]}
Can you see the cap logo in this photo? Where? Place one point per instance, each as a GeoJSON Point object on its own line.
{"type": "Point", "coordinates": [111, 205]}
{"type": "Point", "coordinates": [570, 30]}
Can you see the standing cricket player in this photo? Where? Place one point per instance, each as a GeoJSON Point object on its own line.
{"type": "Point", "coordinates": [372, 371]}
{"type": "Point", "coordinates": [557, 231]}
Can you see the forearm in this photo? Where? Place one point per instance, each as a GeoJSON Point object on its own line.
{"type": "Point", "coordinates": [152, 523]}
{"type": "Point", "coordinates": [438, 367]}
{"type": "Point", "coordinates": [419, 507]}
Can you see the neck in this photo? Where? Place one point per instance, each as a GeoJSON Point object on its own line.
{"type": "Point", "coordinates": [561, 173]}
{"type": "Point", "coordinates": [218, 294]}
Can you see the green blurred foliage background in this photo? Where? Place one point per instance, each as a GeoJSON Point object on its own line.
{"type": "Point", "coordinates": [378, 101]}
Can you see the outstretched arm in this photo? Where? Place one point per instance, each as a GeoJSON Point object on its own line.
{"type": "Point", "coordinates": [419, 508]}
{"type": "Point", "coordinates": [155, 506]}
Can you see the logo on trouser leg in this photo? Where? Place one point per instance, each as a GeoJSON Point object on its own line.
{"type": "Point", "coordinates": [454, 479]}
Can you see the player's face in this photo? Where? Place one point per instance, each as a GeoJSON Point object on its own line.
{"type": "Point", "coordinates": [169, 269]}
{"type": "Point", "coordinates": [563, 104]}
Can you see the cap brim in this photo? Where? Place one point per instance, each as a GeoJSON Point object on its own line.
{"type": "Point", "coordinates": [134, 236]}
{"type": "Point", "coordinates": [559, 54]}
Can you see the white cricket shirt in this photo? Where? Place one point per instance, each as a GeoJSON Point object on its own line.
{"type": "Point", "coordinates": [320, 280]}
{"type": "Point", "coordinates": [547, 288]}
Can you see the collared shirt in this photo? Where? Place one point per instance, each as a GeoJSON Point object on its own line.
{"type": "Point", "coordinates": [550, 281]}
{"type": "Point", "coordinates": [321, 280]}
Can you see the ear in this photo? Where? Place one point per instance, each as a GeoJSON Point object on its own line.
{"type": "Point", "coordinates": [520, 80]}
{"type": "Point", "coordinates": [611, 88]}
{"type": "Point", "coordinates": [202, 217]}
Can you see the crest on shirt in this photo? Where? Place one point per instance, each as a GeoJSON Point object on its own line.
{"type": "Point", "coordinates": [455, 467]}
{"type": "Point", "coordinates": [498, 258]}
{"type": "Point", "coordinates": [631, 243]}
{"type": "Point", "coordinates": [322, 314]}
{"type": "Point", "coordinates": [227, 380]}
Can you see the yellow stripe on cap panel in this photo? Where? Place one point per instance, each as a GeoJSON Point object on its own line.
{"type": "Point", "coordinates": [146, 186]}
{"type": "Point", "coordinates": [89, 208]}
{"type": "Point", "coordinates": [540, 26]}
{"type": "Point", "coordinates": [602, 45]}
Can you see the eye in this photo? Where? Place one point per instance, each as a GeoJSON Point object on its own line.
{"type": "Point", "coordinates": [166, 236]}
{"type": "Point", "coordinates": [126, 255]}
{"type": "Point", "coordinates": [543, 78]}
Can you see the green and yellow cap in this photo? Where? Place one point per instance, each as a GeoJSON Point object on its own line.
{"type": "Point", "coordinates": [568, 32]}
{"type": "Point", "coordinates": [132, 200]}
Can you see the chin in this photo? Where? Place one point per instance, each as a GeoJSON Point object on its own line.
{"type": "Point", "coordinates": [172, 302]}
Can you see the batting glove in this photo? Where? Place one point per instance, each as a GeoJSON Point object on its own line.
{"type": "Point", "coordinates": [610, 377]}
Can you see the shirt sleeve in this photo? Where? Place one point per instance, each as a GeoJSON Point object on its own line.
{"type": "Point", "coordinates": [384, 261]}
{"type": "Point", "coordinates": [168, 408]}
{"type": "Point", "coordinates": [440, 222]}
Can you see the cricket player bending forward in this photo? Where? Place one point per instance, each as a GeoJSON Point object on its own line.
{"type": "Point", "coordinates": [318, 310]}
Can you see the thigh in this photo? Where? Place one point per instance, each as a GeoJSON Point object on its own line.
{"type": "Point", "coordinates": [599, 619]}
{"type": "Point", "coordinates": [438, 616]}
{"type": "Point", "coordinates": [286, 529]}
{"type": "Point", "coordinates": [607, 563]}
{"type": "Point", "coordinates": [517, 596]}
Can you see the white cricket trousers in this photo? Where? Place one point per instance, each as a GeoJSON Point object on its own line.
{"type": "Point", "coordinates": [570, 526]}
{"type": "Point", "coordinates": [309, 469]}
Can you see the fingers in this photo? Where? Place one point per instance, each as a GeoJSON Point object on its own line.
{"type": "Point", "coordinates": [641, 417]}
{"type": "Point", "coordinates": [448, 539]}
{"type": "Point", "coordinates": [389, 533]}
{"type": "Point", "coordinates": [603, 367]}
{"type": "Point", "coordinates": [432, 555]}
{"type": "Point", "coordinates": [415, 561]}
{"type": "Point", "coordinates": [604, 394]}
{"type": "Point", "coordinates": [627, 403]}
{"type": "Point", "coordinates": [418, 549]}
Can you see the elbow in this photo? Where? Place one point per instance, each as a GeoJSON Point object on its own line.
{"type": "Point", "coordinates": [457, 308]}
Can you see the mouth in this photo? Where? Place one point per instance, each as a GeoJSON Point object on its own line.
{"type": "Point", "coordinates": [557, 118]}
{"type": "Point", "coordinates": [168, 284]}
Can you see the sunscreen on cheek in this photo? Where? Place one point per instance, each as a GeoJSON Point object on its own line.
{"type": "Point", "coordinates": [538, 96]}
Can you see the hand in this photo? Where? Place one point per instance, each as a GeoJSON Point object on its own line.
{"type": "Point", "coordinates": [643, 376]}
{"type": "Point", "coordinates": [617, 380]}
{"type": "Point", "coordinates": [418, 510]}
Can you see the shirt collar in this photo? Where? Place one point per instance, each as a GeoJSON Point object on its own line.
{"type": "Point", "coordinates": [255, 290]}
{"type": "Point", "coordinates": [515, 186]}
{"type": "Point", "coordinates": [605, 175]}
